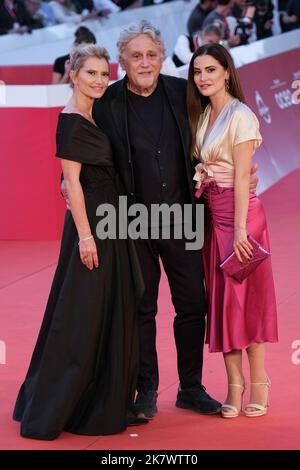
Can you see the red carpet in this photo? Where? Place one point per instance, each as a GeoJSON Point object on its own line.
{"type": "Point", "coordinates": [25, 275]}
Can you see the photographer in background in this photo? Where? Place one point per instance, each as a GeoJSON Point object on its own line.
{"type": "Point", "coordinates": [219, 14]}
{"type": "Point", "coordinates": [263, 18]}
{"type": "Point", "coordinates": [243, 13]}
{"type": "Point", "coordinates": [186, 45]}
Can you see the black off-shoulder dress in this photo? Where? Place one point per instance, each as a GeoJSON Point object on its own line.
{"type": "Point", "coordinates": [83, 370]}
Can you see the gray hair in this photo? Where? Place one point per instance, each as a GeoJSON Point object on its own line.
{"type": "Point", "coordinates": [81, 53]}
{"type": "Point", "coordinates": [144, 27]}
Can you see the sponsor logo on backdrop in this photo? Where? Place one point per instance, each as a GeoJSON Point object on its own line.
{"type": "Point", "coordinates": [277, 83]}
{"type": "Point", "coordinates": [296, 354]}
{"type": "Point", "coordinates": [283, 97]}
{"type": "Point", "coordinates": [263, 109]}
{"type": "Point", "coordinates": [296, 94]}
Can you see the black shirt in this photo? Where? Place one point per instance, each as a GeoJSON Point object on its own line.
{"type": "Point", "coordinates": [157, 154]}
{"type": "Point", "coordinates": [149, 109]}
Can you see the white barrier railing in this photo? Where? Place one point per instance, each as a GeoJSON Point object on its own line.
{"type": "Point", "coordinates": [50, 96]}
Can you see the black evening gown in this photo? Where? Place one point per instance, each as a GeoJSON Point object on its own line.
{"type": "Point", "coordinates": [83, 370]}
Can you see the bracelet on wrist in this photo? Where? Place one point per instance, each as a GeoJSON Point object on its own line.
{"type": "Point", "coordinates": [85, 238]}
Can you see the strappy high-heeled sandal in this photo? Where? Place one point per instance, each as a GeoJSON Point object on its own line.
{"type": "Point", "coordinates": [233, 410]}
{"type": "Point", "coordinates": [259, 410]}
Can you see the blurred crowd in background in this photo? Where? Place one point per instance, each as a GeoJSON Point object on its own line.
{"type": "Point", "coordinates": [233, 23]}
{"type": "Point", "coordinates": [22, 16]}
{"type": "Point", "coordinates": [228, 22]}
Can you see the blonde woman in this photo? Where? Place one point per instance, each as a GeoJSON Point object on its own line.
{"type": "Point", "coordinates": [83, 371]}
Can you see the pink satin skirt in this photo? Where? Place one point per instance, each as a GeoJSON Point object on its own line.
{"type": "Point", "coordinates": [238, 314]}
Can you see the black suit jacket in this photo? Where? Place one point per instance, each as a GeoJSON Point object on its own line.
{"type": "Point", "coordinates": [110, 114]}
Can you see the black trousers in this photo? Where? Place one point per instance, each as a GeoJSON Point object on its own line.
{"type": "Point", "coordinates": [184, 270]}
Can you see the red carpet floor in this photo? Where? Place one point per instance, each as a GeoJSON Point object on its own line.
{"type": "Point", "coordinates": [26, 271]}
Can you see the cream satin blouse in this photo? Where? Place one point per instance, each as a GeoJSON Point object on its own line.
{"type": "Point", "coordinates": [236, 123]}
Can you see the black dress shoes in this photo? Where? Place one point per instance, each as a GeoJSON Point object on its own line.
{"type": "Point", "coordinates": [198, 400]}
{"type": "Point", "coordinates": [133, 420]}
{"type": "Point", "coordinates": [145, 404]}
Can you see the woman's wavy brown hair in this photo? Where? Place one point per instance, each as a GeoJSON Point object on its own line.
{"type": "Point", "coordinates": [196, 103]}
